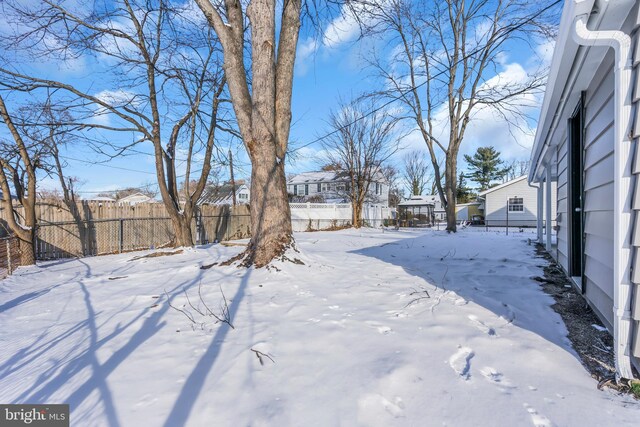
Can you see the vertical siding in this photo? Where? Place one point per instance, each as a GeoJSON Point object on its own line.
{"type": "Point", "coordinates": [598, 190]}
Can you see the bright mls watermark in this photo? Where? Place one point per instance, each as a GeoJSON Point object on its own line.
{"type": "Point", "coordinates": [34, 415]}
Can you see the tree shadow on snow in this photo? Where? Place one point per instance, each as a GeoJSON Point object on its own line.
{"type": "Point", "coordinates": [195, 382]}
{"type": "Point", "coordinates": [500, 284]}
{"type": "Point", "coordinates": [82, 356]}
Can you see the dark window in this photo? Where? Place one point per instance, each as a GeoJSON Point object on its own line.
{"type": "Point", "coordinates": [516, 204]}
{"type": "Point", "coordinates": [319, 188]}
{"type": "Point", "coordinates": [306, 189]}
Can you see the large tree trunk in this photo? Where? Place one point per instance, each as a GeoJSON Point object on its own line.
{"type": "Point", "coordinates": [182, 229]}
{"type": "Point", "coordinates": [271, 232]}
{"type": "Point", "coordinates": [450, 192]}
{"type": "Point", "coordinates": [27, 252]}
{"type": "Point", "coordinates": [357, 214]}
{"type": "Point", "coordinates": [263, 112]}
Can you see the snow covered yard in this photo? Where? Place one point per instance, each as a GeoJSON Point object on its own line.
{"type": "Point", "coordinates": [391, 328]}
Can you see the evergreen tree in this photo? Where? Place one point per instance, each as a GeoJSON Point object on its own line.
{"type": "Point", "coordinates": [485, 166]}
{"type": "Point", "coordinates": [464, 193]}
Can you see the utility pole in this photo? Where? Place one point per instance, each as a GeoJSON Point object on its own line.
{"type": "Point", "coordinates": [233, 182]}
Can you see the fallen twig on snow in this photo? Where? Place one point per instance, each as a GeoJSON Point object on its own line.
{"type": "Point", "coordinates": [260, 356]}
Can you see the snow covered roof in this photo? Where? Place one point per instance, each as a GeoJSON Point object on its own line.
{"type": "Point", "coordinates": [506, 184]}
{"type": "Point", "coordinates": [419, 201]}
{"type": "Point", "coordinates": [135, 198]}
{"type": "Point", "coordinates": [327, 176]}
{"type": "Point", "coordinates": [222, 194]}
{"type": "Point", "coordinates": [321, 176]}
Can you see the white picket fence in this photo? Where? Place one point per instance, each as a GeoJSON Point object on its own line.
{"type": "Point", "coordinates": [322, 216]}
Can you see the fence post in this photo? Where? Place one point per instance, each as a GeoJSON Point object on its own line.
{"type": "Point", "coordinates": [121, 234]}
{"type": "Point", "coordinates": [7, 242]}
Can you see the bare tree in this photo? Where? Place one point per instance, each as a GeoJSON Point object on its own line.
{"type": "Point", "coordinates": [165, 76]}
{"type": "Point", "coordinates": [262, 106]}
{"type": "Point", "coordinates": [416, 172]}
{"type": "Point", "coordinates": [48, 125]}
{"type": "Point", "coordinates": [392, 177]}
{"type": "Point", "coordinates": [443, 69]}
{"type": "Point", "coordinates": [517, 168]}
{"type": "Point", "coordinates": [361, 143]}
{"type": "Point", "coordinates": [20, 158]}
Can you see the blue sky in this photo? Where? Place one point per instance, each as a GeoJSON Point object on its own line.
{"type": "Point", "coordinates": [328, 68]}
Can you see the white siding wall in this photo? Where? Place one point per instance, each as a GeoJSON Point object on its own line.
{"type": "Point", "coordinates": [598, 190]}
{"type": "Point", "coordinates": [496, 205]}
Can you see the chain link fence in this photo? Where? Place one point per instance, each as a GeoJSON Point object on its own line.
{"type": "Point", "coordinates": [10, 255]}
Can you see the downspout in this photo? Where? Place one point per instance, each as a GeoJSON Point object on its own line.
{"type": "Point", "coordinates": [621, 43]}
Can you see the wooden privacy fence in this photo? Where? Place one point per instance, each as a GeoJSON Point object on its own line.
{"type": "Point", "coordinates": [108, 236]}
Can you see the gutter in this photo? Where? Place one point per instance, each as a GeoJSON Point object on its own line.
{"type": "Point", "coordinates": [621, 43]}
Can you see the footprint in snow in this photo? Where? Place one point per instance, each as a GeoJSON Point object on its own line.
{"type": "Point", "coordinates": [370, 402]}
{"type": "Point", "coordinates": [460, 362]}
{"type": "Point", "coordinates": [496, 377]}
{"type": "Point", "coordinates": [382, 329]}
{"type": "Point", "coordinates": [537, 418]}
{"type": "Point", "coordinates": [481, 326]}
{"type": "Point", "coordinates": [460, 301]}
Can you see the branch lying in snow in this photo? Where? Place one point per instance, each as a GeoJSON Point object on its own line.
{"type": "Point", "coordinates": [418, 298]}
{"type": "Point", "coordinates": [224, 317]}
{"type": "Point", "coordinates": [260, 355]}
{"type": "Point", "coordinates": [186, 313]}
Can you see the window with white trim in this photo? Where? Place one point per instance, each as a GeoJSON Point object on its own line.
{"type": "Point", "coordinates": [516, 204]}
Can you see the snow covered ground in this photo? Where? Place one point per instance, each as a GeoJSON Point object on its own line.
{"type": "Point", "coordinates": [394, 328]}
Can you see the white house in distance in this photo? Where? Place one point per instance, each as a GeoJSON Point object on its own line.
{"type": "Point", "coordinates": [135, 198]}
{"type": "Point", "coordinates": [333, 187]}
{"type": "Point", "coordinates": [586, 142]}
{"type": "Point", "coordinates": [514, 201]}
{"type": "Point", "coordinates": [223, 194]}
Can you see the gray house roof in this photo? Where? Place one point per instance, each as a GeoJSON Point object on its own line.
{"type": "Point", "coordinates": [222, 194]}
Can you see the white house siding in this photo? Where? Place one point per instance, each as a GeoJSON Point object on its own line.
{"type": "Point", "coordinates": [635, 240]}
{"type": "Point", "coordinates": [496, 205]}
{"type": "Point", "coordinates": [598, 191]}
{"type": "Point", "coordinates": [597, 79]}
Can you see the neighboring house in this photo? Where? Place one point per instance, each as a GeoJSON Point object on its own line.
{"type": "Point", "coordinates": [223, 194]}
{"type": "Point", "coordinates": [585, 142]}
{"type": "Point", "coordinates": [333, 187]}
{"type": "Point", "coordinates": [467, 211]}
{"type": "Point", "coordinates": [514, 201]}
{"type": "Point", "coordinates": [135, 198]}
